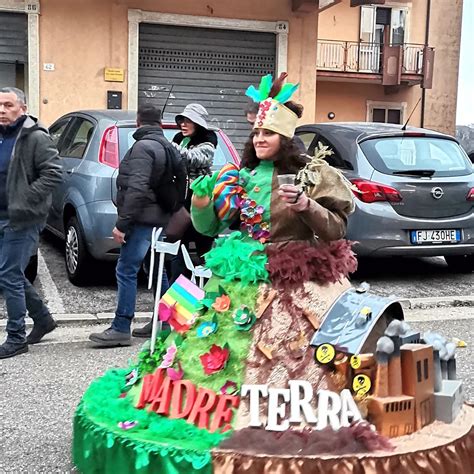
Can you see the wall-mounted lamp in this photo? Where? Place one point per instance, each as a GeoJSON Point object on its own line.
{"type": "Point", "coordinates": [331, 115]}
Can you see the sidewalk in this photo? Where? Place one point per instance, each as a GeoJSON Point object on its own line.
{"type": "Point", "coordinates": [416, 309]}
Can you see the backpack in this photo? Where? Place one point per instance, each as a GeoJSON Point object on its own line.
{"type": "Point", "coordinates": [172, 188]}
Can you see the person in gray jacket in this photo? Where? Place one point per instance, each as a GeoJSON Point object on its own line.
{"type": "Point", "coordinates": [197, 145]}
{"type": "Point", "coordinates": [29, 170]}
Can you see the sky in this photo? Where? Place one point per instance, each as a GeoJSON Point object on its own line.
{"type": "Point", "coordinates": [465, 109]}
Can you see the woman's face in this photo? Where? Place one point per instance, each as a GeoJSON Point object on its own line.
{"type": "Point", "coordinates": [266, 143]}
{"type": "Point", "coordinates": [188, 127]}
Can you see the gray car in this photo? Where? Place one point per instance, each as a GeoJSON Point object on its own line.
{"type": "Point", "coordinates": [414, 189]}
{"type": "Point", "coordinates": [91, 144]}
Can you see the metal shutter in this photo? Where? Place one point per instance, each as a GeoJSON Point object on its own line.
{"type": "Point", "coordinates": [209, 66]}
{"type": "Point", "coordinates": [13, 38]}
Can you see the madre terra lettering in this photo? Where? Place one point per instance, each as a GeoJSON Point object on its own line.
{"type": "Point", "coordinates": [208, 410]}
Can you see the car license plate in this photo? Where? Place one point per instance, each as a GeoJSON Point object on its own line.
{"type": "Point", "coordinates": [449, 236]}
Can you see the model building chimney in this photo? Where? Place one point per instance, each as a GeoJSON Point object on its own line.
{"type": "Point", "coordinates": [438, 377]}
{"type": "Point", "coordinates": [438, 343]}
{"type": "Point", "coordinates": [382, 354]}
{"type": "Point", "coordinates": [443, 355]}
{"type": "Point", "coordinates": [394, 331]}
{"type": "Point", "coordinates": [451, 348]}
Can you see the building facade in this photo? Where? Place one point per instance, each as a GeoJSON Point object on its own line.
{"type": "Point", "coordinates": [388, 60]}
{"type": "Point", "coordinates": [83, 54]}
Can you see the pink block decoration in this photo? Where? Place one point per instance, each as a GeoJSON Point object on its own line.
{"type": "Point", "coordinates": [179, 304]}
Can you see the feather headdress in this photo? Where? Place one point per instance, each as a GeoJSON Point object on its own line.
{"type": "Point", "coordinates": [272, 114]}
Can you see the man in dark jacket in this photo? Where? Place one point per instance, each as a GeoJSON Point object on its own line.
{"type": "Point", "coordinates": [29, 170]}
{"type": "Point", "coordinates": [140, 173]}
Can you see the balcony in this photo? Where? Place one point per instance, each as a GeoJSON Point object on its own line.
{"type": "Point", "coordinates": [389, 65]}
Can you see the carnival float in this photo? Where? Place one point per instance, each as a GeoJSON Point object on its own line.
{"type": "Point", "coordinates": [277, 364]}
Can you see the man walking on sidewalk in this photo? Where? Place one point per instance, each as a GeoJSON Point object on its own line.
{"type": "Point", "coordinates": [144, 190]}
{"type": "Point", "coordinates": [29, 170]}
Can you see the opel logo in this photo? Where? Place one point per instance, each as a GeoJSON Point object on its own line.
{"type": "Point", "coordinates": [437, 193]}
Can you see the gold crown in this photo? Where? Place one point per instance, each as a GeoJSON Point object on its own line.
{"type": "Point", "coordinates": [274, 116]}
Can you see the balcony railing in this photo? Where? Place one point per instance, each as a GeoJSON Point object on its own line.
{"type": "Point", "coordinates": [352, 56]}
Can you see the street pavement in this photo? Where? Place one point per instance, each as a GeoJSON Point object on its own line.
{"type": "Point", "coordinates": [40, 390]}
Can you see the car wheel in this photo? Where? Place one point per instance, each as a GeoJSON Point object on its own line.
{"type": "Point", "coordinates": [31, 271]}
{"type": "Point", "coordinates": [460, 263]}
{"type": "Point", "coordinates": [76, 256]}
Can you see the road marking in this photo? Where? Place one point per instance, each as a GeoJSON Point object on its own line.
{"type": "Point", "coordinates": [50, 291]}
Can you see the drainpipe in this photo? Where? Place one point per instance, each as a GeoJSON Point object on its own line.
{"type": "Point", "coordinates": [427, 37]}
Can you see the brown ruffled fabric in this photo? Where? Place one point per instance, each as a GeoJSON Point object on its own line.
{"type": "Point", "coordinates": [451, 451]}
{"type": "Point", "coordinates": [290, 264]}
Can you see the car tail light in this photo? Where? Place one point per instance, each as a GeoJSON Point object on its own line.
{"type": "Point", "coordinates": [109, 148]}
{"type": "Point", "coordinates": [368, 191]}
{"type": "Point", "coordinates": [414, 134]}
{"type": "Point", "coordinates": [470, 195]}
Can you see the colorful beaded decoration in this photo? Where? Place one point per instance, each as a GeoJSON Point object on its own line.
{"type": "Point", "coordinates": [251, 216]}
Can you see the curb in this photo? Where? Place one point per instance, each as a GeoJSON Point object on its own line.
{"type": "Point", "coordinates": [86, 319]}
{"type": "Point", "coordinates": [438, 302]}
{"type": "Point", "coordinates": [143, 317]}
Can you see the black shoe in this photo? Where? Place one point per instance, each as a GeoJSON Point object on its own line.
{"type": "Point", "coordinates": [40, 330]}
{"type": "Point", "coordinates": [145, 331]}
{"type": "Point", "coordinates": [11, 349]}
{"type": "Point", "coordinates": [111, 338]}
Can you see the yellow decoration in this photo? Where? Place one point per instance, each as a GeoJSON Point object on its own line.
{"type": "Point", "coordinates": [325, 353]}
{"type": "Point", "coordinates": [459, 342]}
{"type": "Point", "coordinates": [355, 361]}
{"type": "Point", "coordinates": [361, 384]}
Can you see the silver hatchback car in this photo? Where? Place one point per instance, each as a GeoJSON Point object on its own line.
{"type": "Point", "coordinates": [91, 144]}
{"type": "Point", "coordinates": [414, 189]}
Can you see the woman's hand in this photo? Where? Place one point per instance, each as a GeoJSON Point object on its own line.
{"type": "Point", "coordinates": [200, 201]}
{"type": "Point", "coordinates": [294, 197]}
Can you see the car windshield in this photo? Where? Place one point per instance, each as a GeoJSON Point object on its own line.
{"type": "Point", "coordinates": [417, 156]}
{"type": "Point", "coordinates": [221, 156]}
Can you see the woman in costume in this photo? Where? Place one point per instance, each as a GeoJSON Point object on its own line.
{"type": "Point", "coordinates": [197, 145]}
{"type": "Point", "coordinates": [289, 240]}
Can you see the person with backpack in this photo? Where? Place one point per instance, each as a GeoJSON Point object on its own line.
{"type": "Point", "coordinates": [197, 145]}
{"type": "Point", "coordinates": [150, 188]}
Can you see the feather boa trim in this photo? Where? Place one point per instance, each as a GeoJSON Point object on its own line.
{"type": "Point", "coordinates": [294, 263]}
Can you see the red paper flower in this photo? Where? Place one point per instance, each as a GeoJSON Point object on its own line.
{"type": "Point", "coordinates": [215, 360]}
{"type": "Point", "coordinates": [221, 304]}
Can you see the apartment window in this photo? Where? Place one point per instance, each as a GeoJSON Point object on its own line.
{"type": "Point", "coordinates": [382, 25]}
{"type": "Point", "coordinates": [385, 112]}
{"type": "Point", "coordinates": [418, 371]}
{"type": "Point", "coordinates": [425, 368]}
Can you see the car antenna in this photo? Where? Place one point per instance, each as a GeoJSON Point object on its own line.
{"type": "Point", "coordinates": [412, 112]}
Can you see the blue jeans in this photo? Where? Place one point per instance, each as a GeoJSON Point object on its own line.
{"type": "Point", "coordinates": [16, 248]}
{"type": "Point", "coordinates": [132, 253]}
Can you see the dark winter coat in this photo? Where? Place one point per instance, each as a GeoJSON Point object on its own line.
{"type": "Point", "coordinates": [140, 172]}
{"type": "Point", "coordinates": [33, 172]}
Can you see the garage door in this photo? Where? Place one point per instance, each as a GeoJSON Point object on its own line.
{"type": "Point", "coordinates": [180, 65]}
{"type": "Point", "coordinates": [13, 48]}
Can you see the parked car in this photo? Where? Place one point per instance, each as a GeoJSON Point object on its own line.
{"type": "Point", "coordinates": [414, 189]}
{"type": "Point", "coordinates": [91, 144]}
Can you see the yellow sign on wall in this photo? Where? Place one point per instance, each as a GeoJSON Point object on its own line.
{"type": "Point", "coordinates": [114, 74]}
